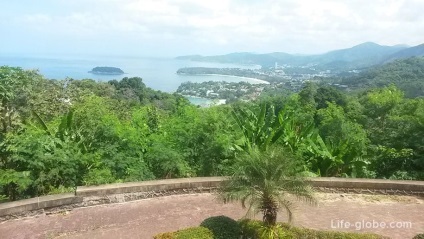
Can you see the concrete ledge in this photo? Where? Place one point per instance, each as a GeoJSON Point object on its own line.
{"type": "Point", "coordinates": [37, 203]}
{"type": "Point", "coordinates": [371, 184]}
{"type": "Point", "coordinates": [148, 186]}
{"type": "Point", "coordinates": [121, 192]}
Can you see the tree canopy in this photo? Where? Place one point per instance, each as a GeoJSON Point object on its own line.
{"type": "Point", "coordinates": [59, 134]}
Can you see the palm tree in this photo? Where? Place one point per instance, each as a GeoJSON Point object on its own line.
{"type": "Point", "coordinates": [262, 180]}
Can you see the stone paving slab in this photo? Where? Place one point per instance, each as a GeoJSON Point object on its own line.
{"type": "Point", "coordinates": [145, 218]}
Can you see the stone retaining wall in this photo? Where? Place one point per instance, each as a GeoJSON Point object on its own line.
{"type": "Point", "coordinates": [124, 192]}
{"type": "Point", "coordinates": [149, 186]}
{"type": "Point", "coordinates": [33, 204]}
{"type": "Point", "coordinates": [371, 184]}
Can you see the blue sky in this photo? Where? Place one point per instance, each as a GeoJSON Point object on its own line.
{"type": "Point", "coordinates": [180, 27]}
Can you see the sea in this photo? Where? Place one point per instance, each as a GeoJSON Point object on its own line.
{"type": "Point", "coordinates": [157, 73]}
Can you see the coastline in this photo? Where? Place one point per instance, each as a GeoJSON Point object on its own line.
{"type": "Point", "coordinates": [195, 97]}
{"type": "Point", "coordinates": [163, 78]}
{"type": "Point", "coordinates": [106, 73]}
{"type": "Point", "coordinates": [204, 102]}
{"type": "Point", "coordinates": [254, 80]}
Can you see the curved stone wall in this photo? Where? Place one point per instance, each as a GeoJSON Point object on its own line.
{"type": "Point", "coordinates": [123, 192]}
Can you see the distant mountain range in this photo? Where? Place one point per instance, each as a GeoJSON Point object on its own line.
{"type": "Point", "coordinates": [361, 56]}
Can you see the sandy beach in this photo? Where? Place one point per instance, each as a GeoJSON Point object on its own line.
{"type": "Point", "coordinates": [251, 80]}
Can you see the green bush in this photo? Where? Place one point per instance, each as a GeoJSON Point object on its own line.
{"type": "Point", "coordinates": [59, 190]}
{"type": "Point", "coordinates": [419, 236]}
{"type": "Point", "coordinates": [299, 232]}
{"type": "Point", "coordinates": [275, 232]}
{"type": "Point", "coordinates": [166, 235]}
{"type": "Point", "coordinates": [188, 233]}
{"type": "Point", "coordinates": [253, 229]}
{"type": "Point", "coordinates": [98, 176]}
{"type": "Point", "coordinates": [250, 228]}
{"type": "Point", "coordinates": [194, 233]}
{"type": "Point", "coordinates": [3, 198]}
{"type": "Point", "coordinates": [222, 227]}
{"type": "Point", "coordinates": [257, 230]}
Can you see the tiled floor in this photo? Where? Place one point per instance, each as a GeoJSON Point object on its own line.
{"type": "Point", "coordinates": [145, 218]}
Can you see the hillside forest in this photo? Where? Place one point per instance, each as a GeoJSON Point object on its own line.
{"type": "Point", "coordinates": [59, 134]}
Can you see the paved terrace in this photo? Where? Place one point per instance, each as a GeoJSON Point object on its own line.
{"type": "Point", "coordinates": [147, 217]}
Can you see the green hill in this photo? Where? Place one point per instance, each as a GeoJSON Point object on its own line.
{"type": "Point", "coordinates": [363, 55]}
{"type": "Point", "coordinates": [360, 56]}
{"type": "Point", "coordinates": [406, 53]}
{"type": "Point", "coordinates": [407, 74]}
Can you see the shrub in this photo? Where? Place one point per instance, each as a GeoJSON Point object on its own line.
{"type": "Point", "coordinates": [257, 230]}
{"type": "Point", "coordinates": [299, 232]}
{"type": "Point", "coordinates": [188, 233]}
{"type": "Point", "coordinates": [274, 232]}
{"type": "Point", "coordinates": [253, 229]}
{"type": "Point", "coordinates": [98, 176]}
{"type": "Point", "coordinates": [194, 233]}
{"type": "Point", "coordinates": [166, 235]}
{"type": "Point", "coordinates": [3, 198]}
{"type": "Point", "coordinates": [222, 227]}
{"type": "Point", "coordinates": [250, 228]}
{"type": "Point", "coordinates": [419, 236]}
{"type": "Point", "coordinates": [58, 190]}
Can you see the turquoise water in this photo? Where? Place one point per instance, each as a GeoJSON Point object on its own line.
{"type": "Point", "coordinates": [157, 73]}
{"type": "Point", "coordinates": [199, 101]}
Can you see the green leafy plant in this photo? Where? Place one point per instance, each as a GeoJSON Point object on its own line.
{"type": "Point", "coordinates": [254, 229]}
{"type": "Point", "coordinates": [222, 227]}
{"type": "Point", "coordinates": [98, 176]}
{"type": "Point", "coordinates": [273, 232]}
{"type": "Point", "coordinates": [419, 236]}
{"type": "Point", "coordinates": [260, 130]}
{"type": "Point", "coordinates": [14, 182]}
{"type": "Point", "coordinates": [188, 233]}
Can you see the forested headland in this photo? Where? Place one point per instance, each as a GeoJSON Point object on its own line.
{"type": "Point", "coordinates": [106, 70]}
{"type": "Point", "coordinates": [56, 135]}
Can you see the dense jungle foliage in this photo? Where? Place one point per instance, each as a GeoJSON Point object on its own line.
{"type": "Point", "coordinates": [56, 135]}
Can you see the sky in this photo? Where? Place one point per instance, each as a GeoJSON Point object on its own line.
{"type": "Point", "coordinates": [168, 28]}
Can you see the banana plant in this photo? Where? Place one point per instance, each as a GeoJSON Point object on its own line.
{"type": "Point", "coordinates": [295, 134]}
{"type": "Point", "coordinates": [259, 130]}
{"type": "Point", "coordinates": [65, 131]}
{"type": "Point", "coordinates": [334, 159]}
{"type": "Point", "coordinates": [266, 128]}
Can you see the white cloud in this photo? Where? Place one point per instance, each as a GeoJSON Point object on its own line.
{"type": "Point", "coordinates": [233, 25]}
{"type": "Point", "coordinates": [36, 19]}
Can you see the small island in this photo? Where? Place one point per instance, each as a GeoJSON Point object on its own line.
{"type": "Point", "coordinates": [106, 70]}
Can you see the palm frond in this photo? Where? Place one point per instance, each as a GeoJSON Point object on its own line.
{"type": "Point", "coordinates": [41, 122]}
{"type": "Point", "coordinates": [263, 180]}
{"type": "Point", "coordinates": [288, 206]}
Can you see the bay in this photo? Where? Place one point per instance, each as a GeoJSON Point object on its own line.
{"type": "Point", "coordinates": [157, 73]}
